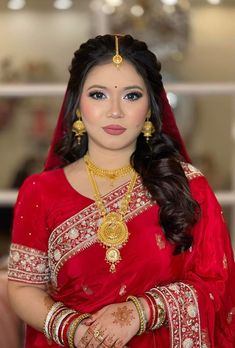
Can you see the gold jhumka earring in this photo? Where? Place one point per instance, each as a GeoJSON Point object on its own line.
{"type": "Point", "coordinates": [148, 128]}
{"type": "Point", "coordinates": [117, 58]}
{"type": "Point", "coordinates": [78, 127]}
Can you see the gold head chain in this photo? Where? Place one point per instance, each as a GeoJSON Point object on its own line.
{"type": "Point", "coordinates": [117, 58]}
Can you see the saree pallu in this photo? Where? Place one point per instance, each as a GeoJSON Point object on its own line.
{"type": "Point", "coordinates": [54, 242]}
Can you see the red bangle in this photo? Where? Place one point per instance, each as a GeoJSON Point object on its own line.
{"type": "Point", "coordinates": [154, 308]}
{"type": "Point", "coordinates": [65, 326]}
{"type": "Point", "coordinates": [149, 302]}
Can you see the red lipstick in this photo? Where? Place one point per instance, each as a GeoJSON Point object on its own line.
{"type": "Point", "coordinates": [114, 129]}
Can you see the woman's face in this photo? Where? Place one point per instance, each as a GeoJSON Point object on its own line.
{"type": "Point", "coordinates": [113, 105]}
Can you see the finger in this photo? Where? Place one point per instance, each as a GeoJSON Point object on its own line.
{"type": "Point", "coordinates": [99, 336]}
{"type": "Point", "coordinates": [89, 321]}
{"type": "Point", "coordinates": [85, 340]}
{"type": "Point", "coordinates": [109, 341]}
{"type": "Point", "coordinates": [118, 344]}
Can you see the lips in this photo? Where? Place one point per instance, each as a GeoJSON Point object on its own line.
{"type": "Point", "coordinates": [114, 129]}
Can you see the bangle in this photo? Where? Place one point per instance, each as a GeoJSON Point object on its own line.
{"type": "Point", "coordinates": [54, 308]}
{"type": "Point", "coordinates": [73, 327]}
{"type": "Point", "coordinates": [64, 327]}
{"type": "Point", "coordinates": [152, 309]}
{"type": "Point", "coordinates": [161, 311]}
{"type": "Point", "coordinates": [141, 313]}
{"type": "Point", "coordinates": [57, 325]}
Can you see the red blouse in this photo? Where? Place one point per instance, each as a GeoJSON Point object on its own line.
{"type": "Point", "coordinates": [54, 243]}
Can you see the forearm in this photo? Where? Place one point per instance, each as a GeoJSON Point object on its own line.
{"type": "Point", "coordinates": [31, 303]}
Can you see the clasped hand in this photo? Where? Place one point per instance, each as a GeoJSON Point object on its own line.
{"type": "Point", "coordinates": [112, 326]}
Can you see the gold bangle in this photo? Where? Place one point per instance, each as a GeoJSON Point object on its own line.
{"type": "Point", "coordinates": [160, 308]}
{"type": "Point", "coordinates": [73, 327]}
{"type": "Point", "coordinates": [141, 313]}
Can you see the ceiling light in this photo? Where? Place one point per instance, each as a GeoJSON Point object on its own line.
{"type": "Point", "coordinates": [169, 2]}
{"type": "Point", "coordinates": [114, 2]}
{"type": "Point", "coordinates": [214, 2]}
{"type": "Point", "coordinates": [137, 10]}
{"type": "Point", "coordinates": [63, 4]}
{"type": "Point", "coordinates": [16, 4]}
{"type": "Point", "coordinates": [107, 9]}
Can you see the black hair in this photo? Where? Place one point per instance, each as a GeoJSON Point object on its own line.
{"type": "Point", "coordinates": [159, 161]}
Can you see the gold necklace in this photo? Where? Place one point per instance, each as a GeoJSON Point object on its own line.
{"type": "Point", "coordinates": [111, 174]}
{"type": "Point", "coordinates": [112, 232]}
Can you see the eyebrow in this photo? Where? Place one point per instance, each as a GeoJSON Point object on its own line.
{"type": "Point", "coordinates": [126, 88]}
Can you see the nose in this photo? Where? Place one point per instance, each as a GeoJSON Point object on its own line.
{"type": "Point", "coordinates": [116, 109]}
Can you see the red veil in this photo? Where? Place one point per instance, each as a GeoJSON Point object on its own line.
{"type": "Point", "coordinates": [168, 121]}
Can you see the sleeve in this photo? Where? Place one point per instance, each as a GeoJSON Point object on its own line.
{"type": "Point", "coordinates": [201, 306]}
{"type": "Point", "coordinates": [28, 259]}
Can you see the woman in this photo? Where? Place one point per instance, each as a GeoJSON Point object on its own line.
{"type": "Point", "coordinates": [120, 242]}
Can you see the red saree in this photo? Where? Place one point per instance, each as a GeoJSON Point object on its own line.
{"type": "Point", "coordinates": [54, 242]}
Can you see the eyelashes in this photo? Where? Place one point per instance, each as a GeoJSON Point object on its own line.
{"type": "Point", "coordinates": [97, 95]}
{"type": "Point", "coordinates": [131, 96]}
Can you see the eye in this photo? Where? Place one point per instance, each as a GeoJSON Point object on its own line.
{"type": "Point", "coordinates": [98, 95]}
{"type": "Point", "coordinates": [132, 96]}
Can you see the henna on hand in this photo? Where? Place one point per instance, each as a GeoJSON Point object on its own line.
{"type": "Point", "coordinates": [123, 316]}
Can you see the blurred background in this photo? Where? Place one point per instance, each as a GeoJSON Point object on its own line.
{"type": "Point", "coordinates": [194, 40]}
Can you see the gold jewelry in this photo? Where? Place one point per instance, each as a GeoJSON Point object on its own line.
{"type": "Point", "coordinates": [112, 232]}
{"type": "Point", "coordinates": [73, 327]}
{"type": "Point", "coordinates": [141, 313]}
{"type": "Point", "coordinates": [117, 58]}
{"type": "Point", "coordinates": [161, 317]}
{"type": "Point", "coordinates": [111, 174]}
{"type": "Point", "coordinates": [97, 334]}
{"type": "Point", "coordinates": [54, 308]}
{"type": "Point", "coordinates": [78, 127]}
{"type": "Point", "coordinates": [148, 128]}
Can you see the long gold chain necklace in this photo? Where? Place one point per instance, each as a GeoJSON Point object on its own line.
{"type": "Point", "coordinates": [112, 232]}
{"type": "Point", "coordinates": [111, 174]}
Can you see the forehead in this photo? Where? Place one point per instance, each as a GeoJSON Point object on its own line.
{"type": "Point", "coordinates": [108, 74]}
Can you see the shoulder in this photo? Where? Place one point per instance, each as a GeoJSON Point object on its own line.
{"type": "Point", "coordinates": [199, 186]}
{"type": "Point", "coordinates": [43, 177]}
{"type": "Point", "coordinates": [190, 171]}
{"type": "Point", "coordinates": [39, 182]}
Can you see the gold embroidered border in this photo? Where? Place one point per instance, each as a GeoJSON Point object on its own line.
{"type": "Point", "coordinates": [183, 314]}
{"type": "Point", "coordinates": [28, 265]}
{"type": "Point", "coordinates": [190, 171]}
{"type": "Point", "coordinates": [79, 231]}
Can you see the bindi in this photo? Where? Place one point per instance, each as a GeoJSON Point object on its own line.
{"type": "Point", "coordinates": [115, 86]}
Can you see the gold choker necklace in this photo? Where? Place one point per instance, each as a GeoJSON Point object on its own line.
{"type": "Point", "coordinates": [111, 174]}
{"type": "Point", "coordinates": [112, 232]}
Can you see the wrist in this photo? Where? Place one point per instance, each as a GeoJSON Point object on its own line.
{"type": "Point", "coordinates": [141, 314]}
{"type": "Point", "coordinates": [146, 307]}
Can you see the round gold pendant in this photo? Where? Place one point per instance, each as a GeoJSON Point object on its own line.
{"type": "Point", "coordinates": [117, 59]}
{"type": "Point", "coordinates": [113, 255]}
{"type": "Point", "coordinates": [113, 230]}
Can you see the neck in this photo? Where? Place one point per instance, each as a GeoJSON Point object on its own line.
{"type": "Point", "coordinates": [110, 159]}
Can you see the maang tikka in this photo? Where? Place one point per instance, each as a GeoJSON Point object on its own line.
{"type": "Point", "coordinates": [117, 58]}
{"type": "Point", "coordinates": [148, 128]}
{"type": "Point", "coordinates": [78, 127]}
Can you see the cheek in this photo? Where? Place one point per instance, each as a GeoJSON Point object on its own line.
{"type": "Point", "coordinates": [88, 111]}
{"type": "Point", "coordinates": [140, 118]}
